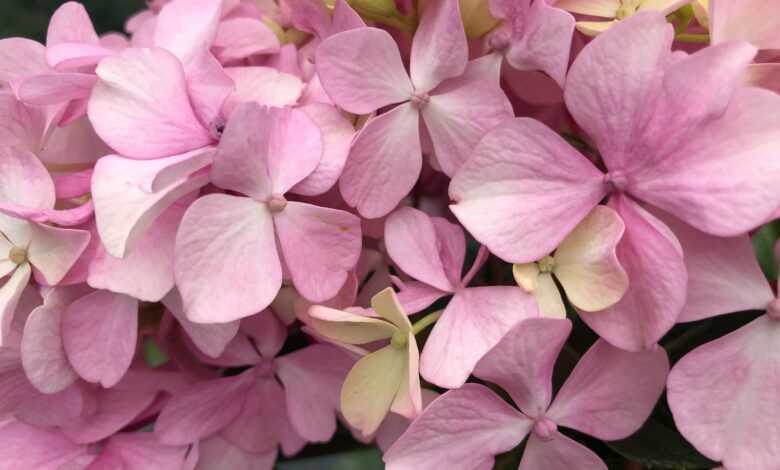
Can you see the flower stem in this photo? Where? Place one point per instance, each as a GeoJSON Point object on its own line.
{"type": "Point", "coordinates": [425, 322]}
{"type": "Point", "coordinates": [693, 38]}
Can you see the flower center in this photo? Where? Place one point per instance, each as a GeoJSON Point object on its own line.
{"type": "Point", "coordinates": [17, 255]}
{"type": "Point", "coordinates": [277, 203]}
{"type": "Point", "coordinates": [420, 99]}
{"type": "Point", "coordinates": [265, 368]}
{"type": "Point", "coordinates": [627, 8]}
{"type": "Point", "coordinates": [399, 340]}
{"type": "Point", "coordinates": [499, 40]}
{"type": "Point", "coordinates": [545, 429]}
{"type": "Point", "coordinates": [546, 264]}
{"type": "Point", "coordinates": [616, 181]}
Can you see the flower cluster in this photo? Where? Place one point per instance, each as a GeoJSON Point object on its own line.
{"type": "Point", "coordinates": [245, 222]}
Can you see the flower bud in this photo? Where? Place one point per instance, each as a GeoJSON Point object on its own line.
{"type": "Point", "coordinates": [372, 8]}
{"type": "Point", "coordinates": [477, 18]}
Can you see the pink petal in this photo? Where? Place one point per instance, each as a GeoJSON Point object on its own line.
{"type": "Point", "coordinates": [21, 58]}
{"type": "Point", "coordinates": [266, 331]}
{"type": "Point", "coordinates": [337, 134]}
{"type": "Point", "coordinates": [522, 362]}
{"type": "Point", "coordinates": [209, 87]}
{"type": "Point", "coordinates": [239, 38]}
{"type": "Point", "coordinates": [217, 452]}
{"type": "Point", "coordinates": [28, 124]}
{"type": "Point", "coordinates": [53, 251]}
{"type": "Point", "coordinates": [412, 243]}
{"type": "Point", "coordinates": [345, 18]}
{"type": "Point", "coordinates": [523, 190]}
{"type": "Point", "coordinates": [138, 451]}
{"type": "Point", "coordinates": [71, 23]}
{"type": "Point", "coordinates": [361, 70]}
{"type": "Point", "coordinates": [70, 56]}
{"type": "Point", "coordinates": [72, 185]}
{"type": "Point", "coordinates": [146, 273]}
{"type": "Point", "coordinates": [320, 246]}
{"type": "Point", "coordinates": [720, 394]}
{"type": "Point", "coordinates": [262, 85]}
{"type": "Point", "coordinates": [24, 180]}
{"type": "Point", "coordinates": [43, 356]}
{"type": "Point", "coordinates": [763, 76]}
{"type": "Point", "coordinates": [473, 322]}
{"type": "Point", "coordinates": [604, 376]}
{"type": "Point", "coordinates": [311, 16]}
{"type": "Point", "coordinates": [450, 434]}
{"type": "Point", "coordinates": [723, 274]}
{"type": "Point", "coordinates": [312, 379]}
{"type": "Point", "coordinates": [417, 296]}
{"type": "Point", "coordinates": [225, 244]}
{"type": "Point", "coordinates": [211, 339]}
{"type": "Point", "coordinates": [439, 48]}
{"type": "Point", "coordinates": [114, 409]}
{"type": "Point", "coordinates": [384, 163]}
{"type": "Point", "coordinates": [704, 181]}
{"type": "Point", "coordinates": [452, 250]}
{"type": "Point", "coordinates": [75, 144]}
{"type": "Point", "coordinates": [611, 82]}
{"type": "Point", "coordinates": [56, 88]}
{"type": "Point", "coordinates": [122, 107]}
{"type": "Point", "coordinates": [260, 425]}
{"type": "Point", "coordinates": [653, 260]}
{"type": "Point", "coordinates": [732, 19]}
{"type": "Point", "coordinates": [187, 28]}
{"type": "Point", "coordinates": [99, 333]}
{"type": "Point", "coordinates": [203, 409]}
{"type": "Point", "coordinates": [561, 453]}
{"type": "Point", "coordinates": [126, 200]}
{"type": "Point", "coordinates": [28, 447]}
{"type": "Point", "coordinates": [285, 146]}
{"type": "Point", "coordinates": [545, 41]}
{"type": "Point", "coordinates": [462, 110]}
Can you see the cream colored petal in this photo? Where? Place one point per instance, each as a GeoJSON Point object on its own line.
{"type": "Point", "coordinates": [386, 304]}
{"type": "Point", "coordinates": [602, 8]}
{"type": "Point", "coordinates": [371, 388]}
{"type": "Point", "coordinates": [548, 297]}
{"type": "Point", "coordinates": [347, 327]}
{"type": "Point", "coordinates": [526, 276]}
{"type": "Point", "coordinates": [586, 262]}
{"type": "Point", "coordinates": [701, 11]}
{"type": "Point", "coordinates": [408, 401]}
{"type": "Point", "coordinates": [664, 6]}
{"type": "Point", "coordinates": [594, 28]}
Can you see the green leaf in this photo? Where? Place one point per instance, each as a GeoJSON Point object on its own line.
{"type": "Point", "coordinates": [363, 459]}
{"type": "Point", "coordinates": [656, 445]}
{"type": "Point", "coordinates": [764, 245]}
{"type": "Point", "coordinates": [153, 355]}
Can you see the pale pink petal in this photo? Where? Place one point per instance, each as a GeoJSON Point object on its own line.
{"type": "Point", "coordinates": [721, 395]}
{"type": "Point", "coordinates": [48, 89]}
{"type": "Point", "coordinates": [452, 251]}
{"type": "Point", "coordinates": [603, 377]}
{"type": "Point", "coordinates": [473, 322]}
{"type": "Point", "coordinates": [439, 48]}
{"type": "Point", "coordinates": [225, 245]}
{"type": "Point", "coordinates": [126, 202]}
{"type": "Point", "coordinates": [187, 28]}
{"type": "Point", "coordinates": [26, 447]}
{"type": "Point", "coordinates": [610, 84]}
{"type": "Point", "coordinates": [99, 334]}
{"type": "Point", "coordinates": [723, 274]}
{"type": "Point", "coordinates": [211, 339]}
{"type": "Point", "coordinates": [523, 190]}
{"type": "Point", "coordinates": [750, 20]}
{"type": "Point", "coordinates": [417, 296]}
{"type": "Point", "coordinates": [312, 379]}
{"type": "Point", "coordinates": [72, 185]}
{"type": "Point", "coordinates": [311, 16]}
{"type": "Point", "coordinates": [721, 179]}
{"type": "Point", "coordinates": [462, 110]}
{"type": "Point", "coordinates": [413, 244]}
{"type": "Point", "coordinates": [67, 217]}
{"type": "Point", "coordinates": [24, 126]}
{"type": "Point", "coordinates": [209, 87]}
{"type": "Point", "coordinates": [345, 18]}
{"type": "Point", "coordinates": [140, 451]}
{"type": "Point", "coordinates": [319, 245]}
{"type": "Point", "coordinates": [384, 162]}
{"type": "Point", "coordinates": [69, 56]}
{"type": "Point", "coordinates": [586, 262]}
{"type": "Point", "coordinates": [361, 70]}
{"type": "Point", "coordinates": [238, 38]}
{"type": "Point", "coordinates": [146, 273]}
{"type": "Point", "coordinates": [71, 23]}
{"type": "Point", "coordinates": [461, 430]}
{"type": "Point", "coordinates": [337, 133]}
{"type": "Point", "coordinates": [122, 107]}
{"type": "Point", "coordinates": [21, 58]}
{"type": "Point", "coordinates": [43, 356]}
{"type": "Point", "coordinates": [522, 362]}
{"type": "Point", "coordinates": [653, 260]}
{"type": "Point", "coordinates": [262, 85]}
{"type": "Point", "coordinates": [545, 41]}
{"type": "Point", "coordinates": [560, 453]}
{"type": "Point", "coordinates": [24, 180]}
{"type": "Point", "coordinates": [763, 76]}
{"type": "Point", "coordinates": [75, 144]}
{"type": "Point", "coordinates": [202, 409]}
{"type": "Point", "coordinates": [53, 251]}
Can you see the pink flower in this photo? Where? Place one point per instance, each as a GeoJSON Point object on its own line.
{"type": "Point", "coordinates": [457, 100]}
{"type": "Point", "coordinates": [464, 429]}
{"type": "Point", "coordinates": [432, 251]}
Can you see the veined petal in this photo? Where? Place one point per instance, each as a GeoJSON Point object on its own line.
{"type": "Point", "coordinates": [263, 85]}
{"type": "Point", "coordinates": [43, 356]}
{"type": "Point", "coordinates": [744, 19]}
{"type": "Point", "coordinates": [560, 453]}
{"type": "Point", "coordinates": [53, 251]}
{"type": "Point", "coordinates": [187, 28]}
{"type": "Point", "coordinates": [348, 327]}
{"type": "Point", "coordinates": [549, 297]}
{"type": "Point", "coordinates": [24, 180]}
{"type": "Point", "coordinates": [439, 47]}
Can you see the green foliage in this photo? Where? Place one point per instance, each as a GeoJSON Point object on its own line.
{"type": "Point", "coordinates": [362, 459]}
{"type": "Point", "coordinates": [30, 18]}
